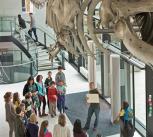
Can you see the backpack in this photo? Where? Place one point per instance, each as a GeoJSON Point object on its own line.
{"type": "Point", "coordinates": [130, 113]}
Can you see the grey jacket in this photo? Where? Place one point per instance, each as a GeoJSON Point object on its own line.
{"type": "Point", "coordinates": [60, 76]}
{"type": "Point", "coordinates": [19, 127]}
{"type": "Point", "coordinates": [10, 111]}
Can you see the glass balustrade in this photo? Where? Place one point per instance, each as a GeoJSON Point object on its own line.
{"type": "Point", "coordinates": [15, 65]}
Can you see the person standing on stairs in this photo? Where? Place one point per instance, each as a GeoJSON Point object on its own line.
{"type": "Point", "coordinates": [41, 95]}
{"type": "Point", "coordinates": [32, 27]}
{"type": "Point", "coordinates": [22, 27]}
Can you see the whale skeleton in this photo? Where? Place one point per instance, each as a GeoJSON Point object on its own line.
{"type": "Point", "coordinates": [66, 17]}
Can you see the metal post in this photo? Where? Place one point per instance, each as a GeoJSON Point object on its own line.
{"type": "Point", "coordinates": [133, 87]}
{"type": "Point", "coordinates": [45, 46]}
{"type": "Point", "coordinates": [11, 27]}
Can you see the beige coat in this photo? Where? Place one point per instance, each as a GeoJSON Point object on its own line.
{"type": "Point", "coordinates": [10, 111]}
{"type": "Point", "coordinates": [60, 131]}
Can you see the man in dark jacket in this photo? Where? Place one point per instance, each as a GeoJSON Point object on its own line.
{"type": "Point", "coordinates": [21, 21]}
{"type": "Point", "coordinates": [22, 26]}
{"type": "Point", "coordinates": [19, 125]}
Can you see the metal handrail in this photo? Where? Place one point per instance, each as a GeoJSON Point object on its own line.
{"type": "Point", "coordinates": [46, 33]}
{"type": "Point", "coordinates": [22, 64]}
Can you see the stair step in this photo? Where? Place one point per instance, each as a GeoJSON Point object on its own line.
{"type": "Point", "coordinates": [48, 67]}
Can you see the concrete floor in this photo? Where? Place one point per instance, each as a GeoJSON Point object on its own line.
{"type": "Point", "coordinates": [75, 83]}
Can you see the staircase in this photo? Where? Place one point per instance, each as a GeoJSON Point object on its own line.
{"type": "Point", "coordinates": [42, 53]}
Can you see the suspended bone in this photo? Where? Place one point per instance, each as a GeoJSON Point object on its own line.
{"type": "Point", "coordinates": [80, 27]}
{"type": "Point", "coordinates": [65, 11]}
{"type": "Point", "coordinates": [65, 40]}
{"type": "Point", "coordinates": [106, 13]}
{"type": "Point", "coordinates": [51, 19]}
{"type": "Point", "coordinates": [126, 8]}
{"type": "Point", "coordinates": [90, 25]}
{"type": "Point", "coordinates": [39, 3]}
{"type": "Point", "coordinates": [137, 47]}
{"type": "Point", "coordinates": [53, 51]}
{"type": "Point", "coordinates": [77, 43]}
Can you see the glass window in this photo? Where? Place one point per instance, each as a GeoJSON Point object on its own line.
{"type": "Point", "coordinates": [140, 95]}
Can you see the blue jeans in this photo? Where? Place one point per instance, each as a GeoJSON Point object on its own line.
{"type": "Point", "coordinates": [61, 103]}
{"type": "Point", "coordinates": [92, 110]}
{"type": "Point", "coordinates": [34, 32]}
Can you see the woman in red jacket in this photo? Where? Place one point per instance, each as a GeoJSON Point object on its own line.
{"type": "Point", "coordinates": [52, 97]}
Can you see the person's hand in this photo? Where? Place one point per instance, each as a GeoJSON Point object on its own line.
{"type": "Point", "coordinates": [86, 100]}
{"type": "Point", "coordinates": [22, 114]}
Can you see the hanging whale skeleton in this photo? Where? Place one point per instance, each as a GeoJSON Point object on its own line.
{"type": "Point", "coordinates": [66, 19]}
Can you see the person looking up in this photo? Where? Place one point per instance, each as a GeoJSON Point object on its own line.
{"type": "Point", "coordinates": [10, 112]}
{"type": "Point", "coordinates": [44, 130]}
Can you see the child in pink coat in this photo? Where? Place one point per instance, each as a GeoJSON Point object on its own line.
{"type": "Point", "coordinates": [44, 131]}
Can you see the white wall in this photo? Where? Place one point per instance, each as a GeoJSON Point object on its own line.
{"type": "Point", "coordinates": [40, 16]}
{"type": "Point", "coordinates": [10, 7]}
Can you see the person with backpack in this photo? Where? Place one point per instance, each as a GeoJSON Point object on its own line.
{"type": "Point", "coordinates": [126, 116]}
{"type": "Point", "coordinates": [44, 130]}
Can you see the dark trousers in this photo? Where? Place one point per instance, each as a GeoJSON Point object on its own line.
{"type": "Point", "coordinates": [92, 110]}
{"type": "Point", "coordinates": [34, 32]}
{"type": "Point", "coordinates": [61, 103]}
{"type": "Point", "coordinates": [47, 97]}
{"type": "Point", "coordinates": [42, 99]}
{"type": "Point", "coordinates": [126, 128]}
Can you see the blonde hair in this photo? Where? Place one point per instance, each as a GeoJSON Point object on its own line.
{"type": "Point", "coordinates": [62, 120]}
{"type": "Point", "coordinates": [33, 118]}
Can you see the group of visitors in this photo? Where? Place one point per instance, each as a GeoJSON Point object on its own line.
{"type": "Point", "coordinates": [22, 115]}
{"type": "Point", "coordinates": [24, 127]}
{"type": "Point", "coordinates": [35, 94]}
